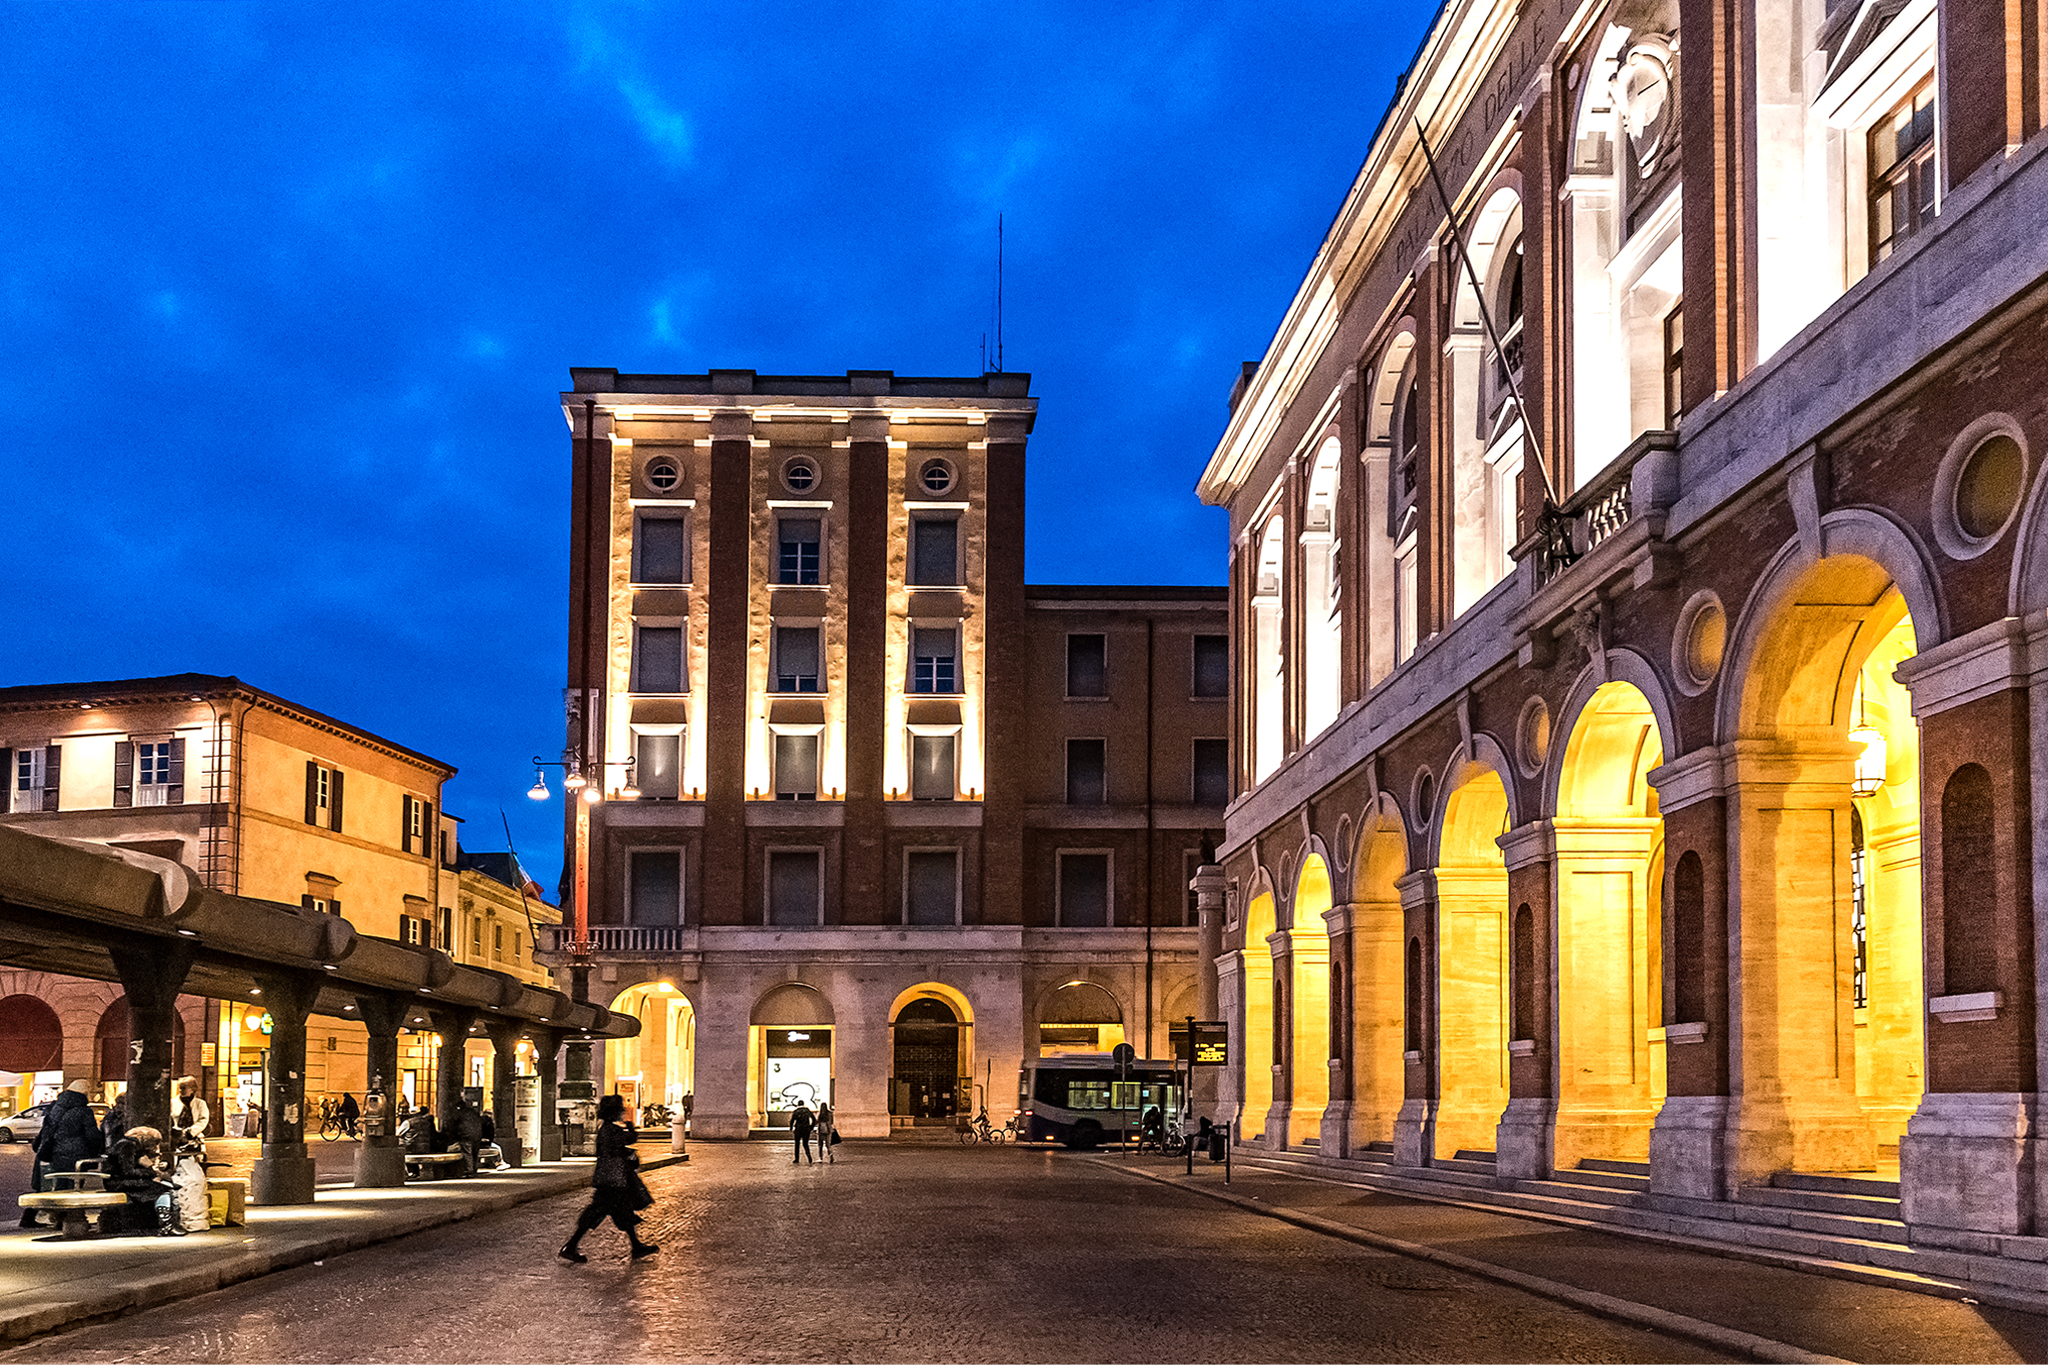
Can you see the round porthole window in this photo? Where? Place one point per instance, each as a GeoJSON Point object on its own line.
{"type": "Point", "coordinates": [1979, 486]}
{"type": "Point", "coordinates": [1424, 798]}
{"type": "Point", "coordinates": [1699, 643]}
{"type": "Point", "coordinates": [936, 478]}
{"type": "Point", "coordinates": [664, 473]}
{"type": "Point", "coordinates": [1342, 852]}
{"type": "Point", "coordinates": [800, 475]}
{"type": "Point", "coordinates": [1532, 736]}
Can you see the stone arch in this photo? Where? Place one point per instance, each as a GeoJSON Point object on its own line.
{"type": "Point", "coordinates": [31, 1035]}
{"type": "Point", "coordinates": [1481, 754]}
{"type": "Point", "coordinates": [2028, 592]}
{"type": "Point", "coordinates": [661, 1059]}
{"type": "Point", "coordinates": [1309, 994]}
{"type": "Point", "coordinates": [787, 1060]}
{"type": "Point", "coordinates": [1258, 986]}
{"type": "Point", "coordinates": [932, 1061]}
{"type": "Point", "coordinates": [111, 1035]}
{"type": "Point", "coordinates": [1471, 958]}
{"type": "Point", "coordinates": [1376, 997]}
{"type": "Point", "coordinates": [1066, 1010]}
{"type": "Point", "coordinates": [1623, 665]}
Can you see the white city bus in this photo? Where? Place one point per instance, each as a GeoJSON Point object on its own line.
{"type": "Point", "coordinates": [1069, 1098]}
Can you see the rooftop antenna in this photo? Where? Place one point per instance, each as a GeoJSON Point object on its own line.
{"type": "Point", "coordinates": [999, 293]}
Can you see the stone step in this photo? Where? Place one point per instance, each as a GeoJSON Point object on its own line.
{"type": "Point", "coordinates": [1466, 1171]}
{"type": "Point", "coordinates": [1616, 1167]}
{"type": "Point", "coordinates": [1612, 1180]}
{"type": "Point", "coordinates": [1474, 1154]}
{"type": "Point", "coordinates": [1570, 1186]}
{"type": "Point", "coordinates": [1837, 1182]}
{"type": "Point", "coordinates": [1386, 1147]}
{"type": "Point", "coordinates": [1372, 1156]}
{"type": "Point", "coordinates": [1821, 1201]}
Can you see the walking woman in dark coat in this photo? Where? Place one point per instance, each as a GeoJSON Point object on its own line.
{"type": "Point", "coordinates": [616, 1190]}
{"type": "Point", "coordinates": [70, 1135]}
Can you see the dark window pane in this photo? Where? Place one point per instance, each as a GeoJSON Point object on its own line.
{"type": "Point", "coordinates": [796, 767]}
{"type": "Point", "coordinates": [1212, 772]}
{"type": "Point", "coordinates": [1084, 890]}
{"type": "Point", "coordinates": [664, 552]}
{"type": "Point", "coordinates": [656, 894]}
{"type": "Point", "coordinates": [796, 659]}
{"type": "Point", "coordinates": [660, 665]}
{"type": "Point", "coordinates": [1087, 668]}
{"type": "Point", "coordinates": [933, 665]}
{"type": "Point", "coordinates": [793, 888]}
{"type": "Point", "coordinates": [1212, 665]}
{"type": "Point", "coordinates": [935, 552]}
{"type": "Point", "coordinates": [797, 552]}
{"type": "Point", "coordinates": [931, 768]}
{"type": "Point", "coordinates": [932, 886]}
{"type": "Point", "coordinates": [657, 770]}
{"type": "Point", "coordinates": [1086, 782]}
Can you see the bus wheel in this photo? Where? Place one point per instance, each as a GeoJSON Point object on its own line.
{"type": "Point", "coordinates": [1087, 1136]}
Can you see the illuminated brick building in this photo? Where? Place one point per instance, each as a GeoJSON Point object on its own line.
{"type": "Point", "coordinates": [1645, 857]}
{"type": "Point", "coordinates": [899, 820]}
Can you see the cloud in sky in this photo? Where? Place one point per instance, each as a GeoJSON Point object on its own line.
{"type": "Point", "coordinates": [295, 288]}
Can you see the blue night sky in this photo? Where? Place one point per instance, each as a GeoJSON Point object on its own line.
{"type": "Point", "coordinates": [290, 292]}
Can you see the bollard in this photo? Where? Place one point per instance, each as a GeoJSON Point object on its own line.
{"type": "Point", "coordinates": [676, 1143]}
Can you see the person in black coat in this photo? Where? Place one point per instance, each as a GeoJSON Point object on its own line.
{"type": "Point", "coordinates": [801, 1122]}
{"type": "Point", "coordinates": [616, 1190]}
{"type": "Point", "coordinates": [134, 1168]}
{"type": "Point", "coordinates": [69, 1135]}
{"type": "Point", "coordinates": [350, 1113]}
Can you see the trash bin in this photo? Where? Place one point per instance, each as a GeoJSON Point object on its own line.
{"type": "Point", "coordinates": [675, 1137]}
{"type": "Point", "coordinates": [1216, 1143]}
{"type": "Point", "coordinates": [572, 1138]}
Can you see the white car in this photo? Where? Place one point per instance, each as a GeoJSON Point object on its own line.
{"type": "Point", "coordinates": [24, 1126]}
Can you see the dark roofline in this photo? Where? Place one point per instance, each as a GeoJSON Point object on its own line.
{"type": "Point", "coordinates": [198, 687]}
{"type": "Point", "coordinates": [853, 384]}
{"type": "Point", "coordinates": [1118, 592]}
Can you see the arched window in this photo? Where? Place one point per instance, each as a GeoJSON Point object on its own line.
{"type": "Point", "coordinates": [1522, 968]}
{"type": "Point", "coordinates": [1338, 1012]}
{"type": "Point", "coordinates": [1689, 938]}
{"type": "Point", "coordinates": [1969, 948]}
{"type": "Point", "coordinates": [1411, 1012]}
{"type": "Point", "coordinates": [1279, 1017]}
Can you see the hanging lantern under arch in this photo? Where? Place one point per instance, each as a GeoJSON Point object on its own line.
{"type": "Point", "coordinates": [1870, 760]}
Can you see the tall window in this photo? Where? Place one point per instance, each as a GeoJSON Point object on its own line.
{"type": "Point", "coordinates": [796, 767]}
{"type": "Point", "coordinates": [794, 882]}
{"type": "Point", "coordinates": [1902, 172]}
{"type": "Point", "coordinates": [661, 549]}
{"type": "Point", "coordinates": [1212, 666]}
{"type": "Point", "coordinates": [798, 558]}
{"type": "Point", "coordinates": [933, 768]}
{"type": "Point", "coordinates": [1674, 365]}
{"type": "Point", "coordinates": [654, 887]}
{"type": "Point", "coordinates": [1087, 777]}
{"type": "Point", "coordinates": [1859, 912]}
{"type": "Point", "coordinates": [415, 818]}
{"type": "Point", "coordinates": [35, 778]}
{"type": "Point", "coordinates": [934, 661]}
{"type": "Point", "coordinates": [1087, 666]}
{"type": "Point", "coordinates": [324, 789]}
{"type": "Point", "coordinates": [796, 659]}
{"type": "Point", "coordinates": [658, 658]}
{"type": "Point", "coordinates": [931, 886]}
{"type": "Point", "coordinates": [1411, 997]}
{"type": "Point", "coordinates": [1971, 922]}
{"type": "Point", "coordinates": [935, 552]}
{"type": "Point", "coordinates": [149, 773]}
{"type": "Point", "coordinates": [1689, 938]}
{"type": "Point", "coordinates": [1212, 772]}
{"type": "Point", "coordinates": [1084, 890]}
{"type": "Point", "coordinates": [658, 764]}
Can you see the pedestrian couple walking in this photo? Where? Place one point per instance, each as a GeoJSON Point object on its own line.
{"type": "Point", "coordinates": [803, 1123]}
{"type": "Point", "coordinates": [616, 1190]}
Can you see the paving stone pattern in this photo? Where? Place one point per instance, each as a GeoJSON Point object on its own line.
{"type": "Point", "coordinates": [893, 1254]}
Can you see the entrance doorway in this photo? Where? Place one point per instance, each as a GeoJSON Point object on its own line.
{"type": "Point", "coordinates": [925, 1086]}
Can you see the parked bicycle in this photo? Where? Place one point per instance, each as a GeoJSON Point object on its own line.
{"type": "Point", "coordinates": [657, 1116]}
{"type": "Point", "coordinates": [981, 1130]}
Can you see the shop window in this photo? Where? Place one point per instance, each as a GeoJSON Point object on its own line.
{"type": "Point", "coordinates": [931, 886]}
{"type": "Point", "coordinates": [1084, 890]}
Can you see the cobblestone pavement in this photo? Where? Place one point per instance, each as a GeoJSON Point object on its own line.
{"type": "Point", "coordinates": [894, 1254]}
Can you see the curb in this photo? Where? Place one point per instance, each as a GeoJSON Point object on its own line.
{"type": "Point", "coordinates": [132, 1293]}
{"type": "Point", "coordinates": [1712, 1334]}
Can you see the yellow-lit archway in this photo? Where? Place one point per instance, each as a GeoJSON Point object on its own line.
{"type": "Point", "coordinates": [1259, 988]}
{"type": "Point", "coordinates": [1308, 943]}
{"type": "Point", "coordinates": [659, 1066]}
{"type": "Point", "coordinates": [1826, 799]}
{"type": "Point", "coordinates": [1376, 991]}
{"type": "Point", "coordinates": [1609, 876]}
{"type": "Point", "coordinates": [932, 1054]}
{"type": "Point", "coordinates": [1472, 975]}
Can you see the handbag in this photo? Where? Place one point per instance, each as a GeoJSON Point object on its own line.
{"type": "Point", "coordinates": [835, 1137]}
{"type": "Point", "coordinates": [641, 1196]}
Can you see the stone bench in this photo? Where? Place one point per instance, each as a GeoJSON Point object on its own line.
{"type": "Point", "coordinates": [74, 1207]}
{"type": "Point", "coordinates": [432, 1163]}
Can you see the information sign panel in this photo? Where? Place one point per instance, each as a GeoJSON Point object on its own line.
{"type": "Point", "coordinates": [1209, 1043]}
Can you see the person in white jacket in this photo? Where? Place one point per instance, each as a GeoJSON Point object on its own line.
{"type": "Point", "coordinates": [186, 1147]}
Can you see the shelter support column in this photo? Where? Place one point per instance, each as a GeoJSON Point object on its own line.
{"type": "Point", "coordinates": [1968, 1160]}
{"type": "Point", "coordinates": [1526, 1141]}
{"type": "Point", "coordinates": [152, 977]}
{"type": "Point", "coordinates": [505, 1035]}
{"type": "Point", "coordinates": [1208, 888]}
{"type": "Point", "coordinates": [283, 1173]}
{"type": "Point", "coordinates": [547, 1049]}
{"type": "Point", "coordinates": [380, 1163]}
{"type": "Point", "coordinates": [1415, 1125]}
{"type": "Point", "coordinates": [1689, 1141]}
{"type": "Point", "coordinates": [453, 1025]}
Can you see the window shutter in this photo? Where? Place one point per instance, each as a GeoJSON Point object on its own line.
{"type": "Point", "coordinates": [427, 828]}
{"type": "Point", "coordinates": [176, 795]}
{"type": "Point", "coordinates": [405, 824]}
{"type": "Point", "coordinates": [334, 909]}
{"type": "Point", "coordinates": [52, 773]}
{"type": "Point", "coordinates": [6, 780]}
{"type": "Point", "coordinates": [334, 803]}
{"type": "Point", "coordinates": [312, 791]}
{"type": "Point", "coordinates": [124, 773]}
{"type": "Point", "coordinates": [306, 901]}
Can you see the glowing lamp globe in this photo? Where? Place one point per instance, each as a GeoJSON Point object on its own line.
{"type": "Point", "coordinates": [1870, 761]}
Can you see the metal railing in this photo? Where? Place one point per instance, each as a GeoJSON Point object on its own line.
{"type": "Point", "coordinates": [612, 938]}
{"type": "Point", "coordinates": [1600, 510]}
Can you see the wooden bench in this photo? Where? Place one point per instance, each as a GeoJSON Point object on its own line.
{"type": "Point", "coordinates": [73, 1207]}
{"type": "Point", "coordinates": [432, 1163]}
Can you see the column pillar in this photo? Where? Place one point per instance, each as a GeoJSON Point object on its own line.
{"type": "Point", "coordinates": [505, 1035]}
{"type": "Point", "coordinates": [1527, 1143]}
{"type": "Point", "coordinates": [152, 977]}
{"type": "Point", "coordinates": [283, 1173]}
{"type": "Point", "coordinates": [453, 1025]}
{"type": "Point", "coordinates": [1280, 946]}
{"type": "Point", "coordinates": [380, 1163]}
{"type": "Point", "coordinates": [547, 1046]}
{"type": "Point", "coordinates": [1336, 1128]}
{"type": "Point", "coordinates": [1415, 1125]}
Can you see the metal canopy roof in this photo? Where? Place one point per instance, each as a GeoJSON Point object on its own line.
{"type": "Point", "coordinates": [68, 906]}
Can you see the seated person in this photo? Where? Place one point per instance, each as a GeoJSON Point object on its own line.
{"type": "Point", "coordinates": [133, 1169]}
{"type": "Point", "coordinates": [420, 1134]}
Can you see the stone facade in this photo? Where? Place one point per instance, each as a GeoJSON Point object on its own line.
{"type": "Point", "coordinates": [863, 814]}
{"type": "Point", "coordinates": [1640, 593]}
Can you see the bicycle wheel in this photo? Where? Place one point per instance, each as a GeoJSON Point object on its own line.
{"type": "Point", "coordinates": [330, 1129]}
{"type": "Point", "coordinates": [966, 1137]}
